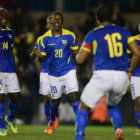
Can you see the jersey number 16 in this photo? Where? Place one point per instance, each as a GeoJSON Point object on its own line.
{"type": "Point", "coordinates": [115, 47]}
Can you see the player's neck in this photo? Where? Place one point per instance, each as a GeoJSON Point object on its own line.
{"type": "Point", "coordinates": [57, 32]}
{"type": "Point", "coordinates": [105, 23]}
{"type": "Point", "coordinates": [2, 27]}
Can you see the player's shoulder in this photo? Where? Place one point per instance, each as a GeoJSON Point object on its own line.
{"type": "Point", "coordinates": [67, 32]}
{"type": "Point", "coordinates": [9, 29]}
{"type": "Point", "coordinates": [137, 37]}
{"type": "Point", "coordinates": [97, 28]}
{"type": "Point", "coordinates": [91, 33]}
{"type": "Point", "coordinates": [121, 28]}
{"type": "Point", "coordinates": [47, 34]}
{"type": "Point", "coordinates": [38, 40]}
{"type": "Point", "coordinates": [10, 32]}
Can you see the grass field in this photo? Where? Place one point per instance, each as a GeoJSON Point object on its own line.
{"type": "Point", "coordinates": [66, 132]}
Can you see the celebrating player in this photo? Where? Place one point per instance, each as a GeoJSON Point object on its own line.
{"type": "Point", "coordinates": [60, 46]}
{"type": "Point", "coordinates": [44, 79]}
{"type": "Point", "coordinates": [135, 89]}
{"type": "Point", "coordinates": [8, 78]}
{"type": "Point", "coordinates": [108, 43]}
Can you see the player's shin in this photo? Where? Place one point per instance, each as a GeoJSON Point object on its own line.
{"type": "Point", "coordinates": [54, 110]}
{"type": "Point", "coordinates": [115, 116]}
{"type": "Point", "coordinates": [75, 106]}
{"type": "Point", "coordinates": [47, 111]}
{"type": "Point", "coordinates": [2, 113]}
{"type": "Point", "coordinates": [137, 117]}
{"type": "Point", "coordinates": [12, 111]}
{"type": "Point", "coordinates": [80, 124]}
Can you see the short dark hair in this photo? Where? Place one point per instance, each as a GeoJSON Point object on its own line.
{"type": "Point", "coordinates": [104, 13]}
{"type": "Point", "coordinates": [2, 9]}
{"type": "Point", "coordinates": [57, 13]}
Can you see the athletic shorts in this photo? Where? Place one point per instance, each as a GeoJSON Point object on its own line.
{"type": "Point", "coordinates": [67, 82]}
{"type": "Point", "coordinates": [135, 87]}
{"type": "Point", "coordinates": [44, 84]}
{"type": "Point", "coordinates": [112, 83]}
{"type": "Point", "coordinates": [9, 83]}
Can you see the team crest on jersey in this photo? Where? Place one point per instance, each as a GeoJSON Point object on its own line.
{"type": "Point", "coordinates": [64, 42]}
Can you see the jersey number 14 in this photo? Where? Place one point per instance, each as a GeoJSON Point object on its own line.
{"type": "Point", "coordinates": [5, 45]}
{"type": "Point", "coordinates": [115, 47]}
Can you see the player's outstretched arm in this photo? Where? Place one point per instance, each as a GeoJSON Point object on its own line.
{"type": "Point", "coordinates": [136, 57]}
{"type": "Point", "coordinates": [82, 56]}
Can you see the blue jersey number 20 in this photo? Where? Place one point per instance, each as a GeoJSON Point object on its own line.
{"type": "Point", "coordinates": [53, 89]}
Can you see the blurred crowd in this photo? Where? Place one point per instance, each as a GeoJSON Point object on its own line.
{"type": "Point", "coordinates": [27, 31]}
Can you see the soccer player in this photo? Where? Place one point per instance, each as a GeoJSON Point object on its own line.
{"type": "Point", "coordinates": [108, 44]}
{"type": "Point", "coordinates": [44, 79]}
{"type": "Point", "coordinates": [135, 88]}
{"type": "Point", "coordinates": [8, 78]}
{"type": "Point", "coordinates": [60, 46]}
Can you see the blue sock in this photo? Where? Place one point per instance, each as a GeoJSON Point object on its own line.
{"type": "Point", "coordinates": [47, 111]}
{"type": "Point", "coordinates": [12, 111]}
{"type": "Point", "coordinates": [116, 118]}
{"type": "Point", "coordinates": [137, 117]}
{"type": "Point", "coordinates": [2, 113]}
{"type": "Point", "coordinates": [57, 114]}
{"type": "Point", "coordinates": [54, 109]}
{"type": "Point", "coordinates": [80, 123]}
{"type": "Point", "coordinates": [75, 106]}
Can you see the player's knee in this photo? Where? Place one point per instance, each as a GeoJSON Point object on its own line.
{"type": "Point", "coordinates": [137, 102]}
{"type": "Point", "coordinates": [56, 102]}
{"type": "Point", "coordinates": [14, 97]}
{"type": "Point", "coordinates": [74, 96]}
{"type": "Point", "coordinates": [83, 106]}
{"type": "Point", "coordinates": [46, 99]}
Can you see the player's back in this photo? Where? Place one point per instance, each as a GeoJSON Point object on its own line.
{"type": "Point", "coordinates": [110, 47]}
{"type": "Point", "coordinates": [7, 63]}
{"type": "Point", "coordinates": [137, 70]}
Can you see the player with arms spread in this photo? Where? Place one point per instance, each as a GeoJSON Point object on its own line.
{"type": "Point", "coordinates": [108, 44]}
{"type": "Point", "coordinates": [44, 78]}
{"type": "Point", "coordinates": [60, 46]}
{"type": "Point", "coordinates": [8, 78]}
{"type": "Point", "coordinates": [135, 88]}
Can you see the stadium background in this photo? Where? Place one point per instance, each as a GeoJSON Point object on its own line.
{"type": "Point", "coordinates": [28, 18]}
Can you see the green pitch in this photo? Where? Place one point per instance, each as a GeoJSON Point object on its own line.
{"type": "Point", "coordinates": [66, 132]}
